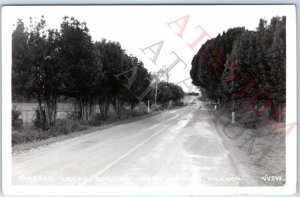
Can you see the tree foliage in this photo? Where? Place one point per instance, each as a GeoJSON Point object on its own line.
{"type": "Point", "coordinates": [168, 92]}
{"type": "Point", "coordinates": [50, 63]}
{"type": "Point", "coordinates": [208, 63]}
{"type": "Point", "coordinates": [36, 66]}
{"type": "Point", "coordinates": [251, 67]}
{"type": "Point", "coordinates": [82, 65]}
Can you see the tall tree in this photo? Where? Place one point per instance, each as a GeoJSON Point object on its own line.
{"type": "Point", "coordinates": [208, 63]}
{"type": "Point", "coordinates": [138, 80]}
{"type": "Point", "coordinates": [238, 77]}
{"type": "Point", "coordinates": [251, 68]}
{"type": "Point", "coordinates": [20, 60]}
{"type": "Point", "coordinates": [169, 92]}
{"type": "Point", "coordinates": [82, 66]}
{"type": "Point", "coordinates": [37, 70]}
{"type": "Point", "coordinates": [112, 56]}
{"type": "Point", "coordinates": [272, 69]}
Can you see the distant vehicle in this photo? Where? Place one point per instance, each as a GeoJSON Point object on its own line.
{"type": "Point", "coordinates": [193, 102]}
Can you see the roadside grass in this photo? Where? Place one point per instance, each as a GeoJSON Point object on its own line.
{"type": "Point", "coordinates": [30, 133]}
{"type": "Point", "coordinates": [257, 149]}
{"type": "Point", "coordinates": [29, 137]}
{"type": "Point", "coordinates": [112, 117]}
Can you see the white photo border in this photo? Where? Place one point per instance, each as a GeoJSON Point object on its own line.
{"type": "Point", "coordinates": [291, 140]}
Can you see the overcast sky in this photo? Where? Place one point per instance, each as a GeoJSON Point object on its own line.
{"type": "Point", "coordinates": [138, 27]}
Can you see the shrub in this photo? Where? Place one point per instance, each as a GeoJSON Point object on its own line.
{"type": "Point", "coordinates": [29, 134]}
{"type": "Point", "coordinates": [99, 119]}
{"type": "Point", "coordinates": [133, 113]}
{"type": "Point", "coordinates": [15, 120]}
{"type": "Point", "coordinates": [75, 113]}
{"type": "Point", "coordinates": [39, 119]}
{"type": "Point", "coordinates": [33, 133]}
{"type": "Point", "coordinates": [65, 127]}
{"type": "Point", "coordinates": [179, 103]}
{"type": "Point", "coordinates": [249, 120]}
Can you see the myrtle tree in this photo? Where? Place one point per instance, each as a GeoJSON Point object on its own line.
{"type": "Point", "coordinates": [272, 63]}
{"type": "Point", "coordinates": [209, 63]}
{"type": "Point", "coordinates": [36, 66]}
{"type": "Point", "coordinates": [82, 66]}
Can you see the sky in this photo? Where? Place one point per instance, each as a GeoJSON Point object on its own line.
{"type": "Point", "coordinates": [169, 31]}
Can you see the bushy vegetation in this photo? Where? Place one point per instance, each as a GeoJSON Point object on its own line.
{"type": "Point", "coordinates": [39, 119]}
{"type": "Point", "coordinates": [169, 92]}
{"type": "Point", "coordinates": [32, 133]}
{"type": "Point", "coordinates": [242, 67]}
{"type": "Point", "coordinates": [15, 119]}
{"type": "Point", "coordinates": [50, 64]}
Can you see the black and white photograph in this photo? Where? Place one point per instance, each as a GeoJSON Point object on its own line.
{"type": "Point", "coordinates": [149, 99]}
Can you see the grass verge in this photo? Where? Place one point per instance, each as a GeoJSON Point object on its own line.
{"type": "Point", "coordinates": [259, 153]}
{"type": "Point", "coordinates": [30, 138]}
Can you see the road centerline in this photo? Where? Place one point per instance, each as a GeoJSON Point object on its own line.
{"type": "Point", "coordinates": [103, 170]}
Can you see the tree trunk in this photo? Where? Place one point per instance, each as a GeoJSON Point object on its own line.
{"type": "Point", "coordinates": [119, 107]}
{"type": "Point", "coordinates": [41, 112]}
{"type": "Point", "coordinates": [51, 109]}
{"type": "Point", "coordinates": [87, 109]}
{"type": "Point", "coordinates": [101, 104]}
{"type": "Point", "coordinates": [104, 106]}
{"type": "Point", "coordinates": [117, 103]}
{"type": "Point", "coordinates": [276, 110]}
{"type": "Point", "coordinates": [132, 106]}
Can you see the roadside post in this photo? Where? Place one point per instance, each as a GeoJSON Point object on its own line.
{"type": "Point", "coordinates": [233, 115]}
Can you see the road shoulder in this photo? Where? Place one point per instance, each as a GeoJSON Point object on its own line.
{"type": "Point", "coordinates": [259, 159]}
{"type": "Point", "coordinates": [37, 145]}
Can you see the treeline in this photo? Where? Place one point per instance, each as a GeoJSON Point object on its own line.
{"type": "Point", "coordinates": [242, 67]}
{"type": "Point", "coordinates": [50, 63]}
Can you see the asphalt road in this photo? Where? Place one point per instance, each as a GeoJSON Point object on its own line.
{"type": "Point", "coordinates": [179, 147]}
